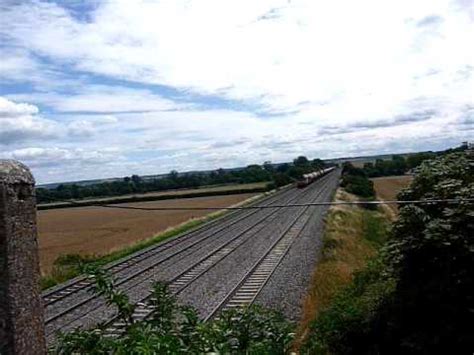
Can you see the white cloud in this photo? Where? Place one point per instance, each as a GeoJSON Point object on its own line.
{"type": "Point", "coordinates": [310, 51]}
{"type": "Point", "coordinates": [352, 78]}
{"type": "Point", "coordinates": [19, 122]}
{"type": "Point", "coordinates": [108, 119]}
{"type": "Point", "coordinates": [69, 163]}
{"type": "Point", "coordinates": [9, 109]}
{"type": "Point", "coordinates": [81, 128]}
{"type": "Point", "coordinates": [101, 99]}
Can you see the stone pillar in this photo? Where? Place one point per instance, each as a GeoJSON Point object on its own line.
{"type": "Point", "coordinates": [21, 309]}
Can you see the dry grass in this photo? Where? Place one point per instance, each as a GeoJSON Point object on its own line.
{"type": "Point", "coordinates": [346, 249]}
{"type": "Point", "coordinates": [387, 188]}
{"type": "Point", "coordinates": [98, 231]}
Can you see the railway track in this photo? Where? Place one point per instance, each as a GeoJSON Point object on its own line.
{"type": "Point", "coordinates": [183, 260]}
{"type": "Point", "coordinates": [71, 287]}
{"type": "Point", "coordinates": [210, 229]}
{"type": "Point", "coordinates": [259, 273]}
{"type": "Point", "coordinates": [251, 284]}
{"type": "Point", "coordinates": [64, 318]}
{"type": "Point", "coordinates": [246, 291]}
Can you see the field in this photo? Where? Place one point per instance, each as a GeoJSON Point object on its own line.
{"type": "Point", "coordinates": [99, 231]}
{"type": "Point", "coordinates": [169, 194]}
{"type": "Point", "coordinates": [388, 187]}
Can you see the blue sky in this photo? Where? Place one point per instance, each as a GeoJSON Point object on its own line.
{"type": "Point", "coordinates": [93, 89]}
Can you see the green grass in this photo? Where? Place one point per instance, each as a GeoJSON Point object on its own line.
{"type": "Point", "coordinates": [375, 227]}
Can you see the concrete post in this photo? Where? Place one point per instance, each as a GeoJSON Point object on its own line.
{"type": "Point", "coordinates": [21, 309]}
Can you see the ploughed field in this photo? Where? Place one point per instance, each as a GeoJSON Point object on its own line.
{"type": "Point", "coordinates": [98, 231]}
{"type": "Point", "coordinates": [262, 256]}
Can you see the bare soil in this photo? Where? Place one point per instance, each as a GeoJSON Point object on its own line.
{"type": "Point", "coordinates": [99, 231]}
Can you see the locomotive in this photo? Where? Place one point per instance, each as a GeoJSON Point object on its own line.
{"type": "Point", "coordinates": [311, 177]}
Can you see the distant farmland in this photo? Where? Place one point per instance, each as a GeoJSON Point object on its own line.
{"type": "Point", "coordinates": [96, 230]}
{"type": "Point", "coordinates": [387, 188]}
{"type": "Point", "coordinates": [164, 195]}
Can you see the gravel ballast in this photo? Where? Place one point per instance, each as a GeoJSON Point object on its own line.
{"type": "Point", "coordinates": [287, 287]}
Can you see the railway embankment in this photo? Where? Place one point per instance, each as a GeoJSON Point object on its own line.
{"type": "Point", "coordinates": [351, 238]}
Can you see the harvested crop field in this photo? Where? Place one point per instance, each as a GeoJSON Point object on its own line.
{"type": "Point", "coordinates": [387, 188]}
{"type": "Point", "coordinates": [98, 231]}
{"type": "Point", "coordinates": [216, 190]}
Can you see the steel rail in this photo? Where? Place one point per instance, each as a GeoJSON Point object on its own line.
{"type": "Point", "coordinates": [82, 282]}
{"type": "Point", "coordinates": [251, 284]}
{"type": "Point", "coordinates": [185, 278]}
{"type": "Point", "coordinates": [324, 203]}
{"type": "Point", "coordinates": [155, 264]}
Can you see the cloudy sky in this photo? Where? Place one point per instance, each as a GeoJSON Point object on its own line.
{"type": "Point", "coordinates": [92, 89]}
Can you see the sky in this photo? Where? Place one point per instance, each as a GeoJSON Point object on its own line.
{"type": "Point", "coordinates": [94, 89]}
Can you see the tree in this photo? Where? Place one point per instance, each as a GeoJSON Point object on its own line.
{"type": "Point", "coordinates": [318, 163]}
{"type": "Point", "coordinates": [173, 175]}
{"type": "Point", "coordinates": [268, 166]}
{"type": "Point", "coordinates": [417, 295]}
{"type": "Point", "coordinates": [136, 179]}
{"type": "Point", "coordinates": [301, 161]}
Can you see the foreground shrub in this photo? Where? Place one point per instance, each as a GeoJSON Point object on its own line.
{"type": "Point", "coordinates": [175, 329]}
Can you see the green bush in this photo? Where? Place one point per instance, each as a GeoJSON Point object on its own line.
{"type": "Point", "coordinates": [358, 185]}
{"type": "Point", "coordinates": [355, 181]}
{"type": "Point", "coordinates": [66, 267]}
{"type": "Point", "coordinates": [175, 329]}
{"type": "Point", "coordinates": [346, 326]}
{"type": "Point", "coordinates": [417, 296]}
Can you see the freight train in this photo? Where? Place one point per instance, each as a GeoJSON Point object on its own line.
{"type": "Point", "coordinates": [311, 177]}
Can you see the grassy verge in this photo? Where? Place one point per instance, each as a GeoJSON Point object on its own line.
{"type": "Point", "coordinates": [352, 237]}
{"type": "Point", "coordinates": [69, 266]}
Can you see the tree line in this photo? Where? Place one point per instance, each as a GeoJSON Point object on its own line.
{"type": "Point", "coordinates": [401, 164]}
{"type": "Point", "coordinates": [275, 175]}
{"type": "Point", "coordinates": [398, 165]}
{"type": "Point", "coordinates": [356, 180]}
